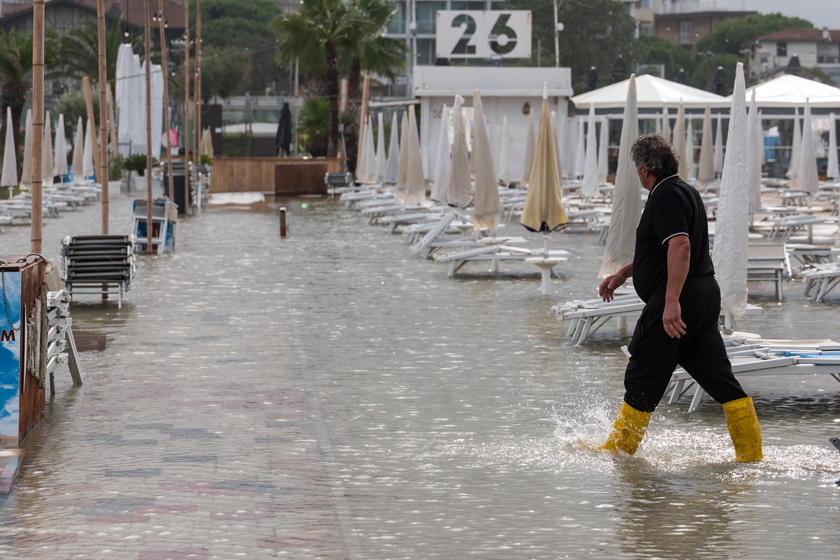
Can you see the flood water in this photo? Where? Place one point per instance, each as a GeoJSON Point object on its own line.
{"type": "Point", "coordinates": [442, 415]}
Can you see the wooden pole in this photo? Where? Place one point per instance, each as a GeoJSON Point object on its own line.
{"type": "Point", "coordinates": [36, 235]}
{"type": "Point", "coordinates": [102, 174]}
{"type": "Point", "coordinates": [197, 87]}
{"type": "Point", "coordinates": [166, 123]}
{"type": "Point", "coordinates": [187, 78]}
{"type": "Point", "coordinates": [147, 24]}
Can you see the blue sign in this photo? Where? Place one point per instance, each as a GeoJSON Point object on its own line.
{"type": "Point", "coordinates": [10, 346]}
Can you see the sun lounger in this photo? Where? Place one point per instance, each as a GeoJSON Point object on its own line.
{"type": "Point", "coordinates": [495, 254]}
{"type": "Point", "coordinates": [820, 279]}
{"type": "Point", "coordinates": [587, 316]}
{"type": "Point", "coordinates": [761, 358]}
{"type": "Point", "coordinates": [768, 261]}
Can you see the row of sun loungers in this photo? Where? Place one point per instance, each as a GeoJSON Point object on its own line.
{"type": "Point", "coordinates": [445, 234]}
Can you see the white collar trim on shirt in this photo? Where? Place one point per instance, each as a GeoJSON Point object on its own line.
{"type": "Point", "coordinates": [662, 181]}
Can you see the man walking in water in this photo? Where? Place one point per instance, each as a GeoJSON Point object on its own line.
{"type": "Point", "coordinates": [673, 274]}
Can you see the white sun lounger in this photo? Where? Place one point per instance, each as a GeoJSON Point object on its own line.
{"type": "Point", "coordinates": [495, 254]}
{"type": "Point", "coordinates": [820, 279]}
{"type": "Point", "coordinates": [587, 316]}
{"type": "Point", "coordinates": [760, 358]}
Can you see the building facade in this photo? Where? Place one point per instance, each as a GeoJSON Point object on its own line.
{"type": "Point", "coordinates": [816, 48]}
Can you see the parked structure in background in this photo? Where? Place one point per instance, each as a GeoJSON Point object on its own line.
{"type": "Point", "coordinates": [816, 48]}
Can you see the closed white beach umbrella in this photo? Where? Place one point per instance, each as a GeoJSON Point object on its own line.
{"type": "Point", "coordinates": [530, 146]}
{"type": "Point", "coordinates": [732, 226]}
{"type": "Point", "coordinates": [402, 157]}
{"type": "Point", "coordinates": [753, 161]}
{"type": "Point", "coordinates": [460, 181]}
{"type": "Point", "coordinates": [718, 153]}
{"type": "Point", "coordinates": [87, 156]}
{"type": "Point", "coordinates": [47, 167]}
{"type": "Point", "coordinates": [415, 190]}
{"type": "Point", "coordinates": [689, 149]}
{"type": "Point", "coordinates": [61, 168]}
{"type": "Point", "coordinates": [589, 184]}
{"type": "Point", "coordinates": [627, 195]}
{"type": "Point", "coordinates": [706, 167]}
{"type": "Point", "coordinates": [381, 161]}
{"type": "Point", "coordinates": [679, 142]}
{"type": "Point", "coordinates": [580, 149]}
{"type": "Point", "coordinates": [9, 177]}
{"type": "Point", "coordinates": [441, 179]}
{"type": "Point", "coordinates": [832, 171]}
{"type": "Point", "coordinates": [793, 168]}
{"type": "Point", "coordinates": [603, 155]}
{"type": "Point", "coordinates": [808, 179]}
{"type": "Point", "coordinates": [488, 206]}
{"type": "Point", "coordinates": [666, 123]}
{"type": "Point", "coordinates": [393, 152]}
{"type": "Point", "coordinates": [26, 171]}
{"type": "Point", "coordinates": [504, 156]}
{"type": "Point", "coordinates": [77, 166]}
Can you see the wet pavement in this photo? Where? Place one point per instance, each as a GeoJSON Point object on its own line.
{"type": "Point", "coordinates": [331, 396]}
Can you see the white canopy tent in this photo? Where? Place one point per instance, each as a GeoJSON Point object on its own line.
{"type": "Point", "coordinates": [788, 91]}
{"type": "Point", "coordinates": [653, 93]}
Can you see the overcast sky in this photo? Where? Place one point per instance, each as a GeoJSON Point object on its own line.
{"type": "Point", "coordinates": [822, 13]}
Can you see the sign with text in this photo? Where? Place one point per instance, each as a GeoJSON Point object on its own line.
{"type": "Point", "coordinates": [483, 34]}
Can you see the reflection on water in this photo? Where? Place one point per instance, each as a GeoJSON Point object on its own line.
{"type": "Point", "coordinates": [452, 408]}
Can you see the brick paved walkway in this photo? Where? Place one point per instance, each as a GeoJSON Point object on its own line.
{"type": "Point", "coordinates": [192, 438]}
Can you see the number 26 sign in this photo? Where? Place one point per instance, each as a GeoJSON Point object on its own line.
{"type": "Point", "coordinates": [483, 34]}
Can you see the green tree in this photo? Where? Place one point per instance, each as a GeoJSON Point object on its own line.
{"type": "Point", "coordinates": [376, 54]}
{"type": "Point", "coordinates": [79, 50]}
{"type": "Point", "coordinates": [736, 34]}
{"type": "Point", "coordinates": [705, 69]}
{"type": "Point", "coordinates": [650, 50]}
{"type": "Point", "coordinates": [595, 33]}
{"type": "Point", "coordinates": [818, 75]}
{"type": "Point", "coordinates": [316, 35]}
{"type": "Point", "coordinates": [223, 71]}
{"type": "Point", "coordinates": [16, 72]}
{"type": "Point", "coordinates": [232, 25]}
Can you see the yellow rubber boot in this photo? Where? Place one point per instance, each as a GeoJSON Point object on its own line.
{"type": "Point", "coordinates": [743, 428]}
{"type": "Point", "coordinates": [628, 430]}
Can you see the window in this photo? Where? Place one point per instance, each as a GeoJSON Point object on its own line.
{"type": "Point", "coordinates": [781, 48]}
{"type": "Point", "coordinates": [425, 52]}
{"type": "Point", "coordinates": [427, 16]}
{"type": "Point", "coordinates": [397, 24]}
{"type": "Point", "coordinates": [460, 6]}
{"type": "Point", "coordinates": [685, 32]}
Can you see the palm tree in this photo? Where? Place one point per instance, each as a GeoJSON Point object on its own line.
{"type": "Point", "coordinates": [376, 53]}
{"type": "Point", "coordinates": [322, 33]}
{"type": "Point", "coordinates": [79, 50]}
{"type": "Point", "coordinates": [16, 70]}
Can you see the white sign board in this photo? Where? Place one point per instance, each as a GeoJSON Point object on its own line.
{"type": "Point", "coordinates": [483, 34]}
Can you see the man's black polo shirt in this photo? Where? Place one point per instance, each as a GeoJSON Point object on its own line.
{"type": "Point", "coordinates": [673, 208]}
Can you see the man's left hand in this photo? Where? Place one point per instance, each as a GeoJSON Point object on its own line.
{"type": "Point", "coordinates": [672, 320]}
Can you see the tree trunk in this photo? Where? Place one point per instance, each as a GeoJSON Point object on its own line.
{"type": "Point", "coordinates": [333, 93]}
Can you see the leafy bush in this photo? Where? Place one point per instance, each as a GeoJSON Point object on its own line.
{"type": "Point", "coordinates": [235, 145]}
{"type": "Point", "coordinates": [137, 162]}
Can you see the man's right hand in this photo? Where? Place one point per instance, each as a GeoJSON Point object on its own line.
{"type": "Point", "coordinates": [609, 285]}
